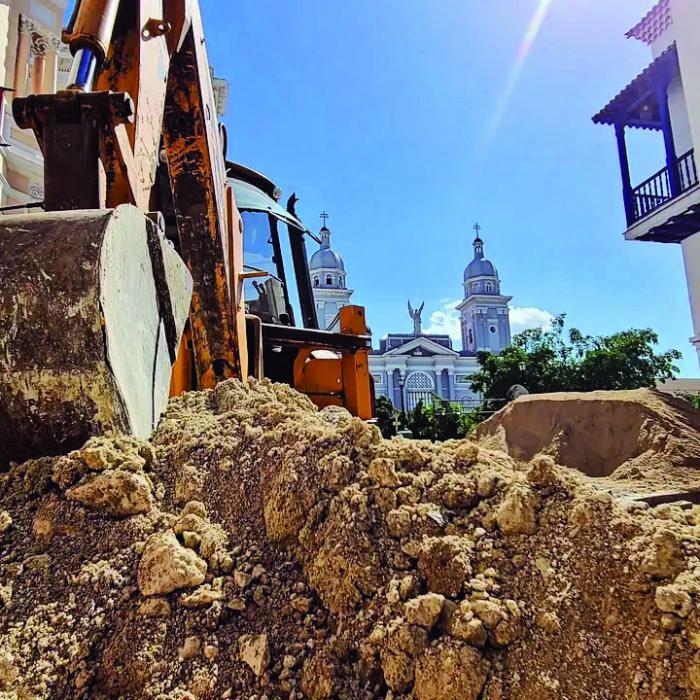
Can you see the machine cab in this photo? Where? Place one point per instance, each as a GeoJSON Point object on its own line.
{"type": "Point", "coordinates": [283, 336]}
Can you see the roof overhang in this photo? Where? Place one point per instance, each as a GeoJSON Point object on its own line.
{"type": "Point", "coordinates": [251, 198]}
{"type": "Point", "coordinates": [638, 105]}
{"type": "Point", "coordinates": [654, 23]}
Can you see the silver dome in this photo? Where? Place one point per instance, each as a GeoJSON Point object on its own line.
{"type": "Point", "coordinates": [480, 266]}
{"type": "Point", "coordinates": [325, 258]}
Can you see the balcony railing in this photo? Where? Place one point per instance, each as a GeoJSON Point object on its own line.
{"type": "Point", "coordinates": [657, 190]}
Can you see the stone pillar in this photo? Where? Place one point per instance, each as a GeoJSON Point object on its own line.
{"type": "Point", "coordinates": [53, 44]}
{"type": "Point", "coordinates": [24, 45]}
{"type": "Point", "coordinates": [39, 68]}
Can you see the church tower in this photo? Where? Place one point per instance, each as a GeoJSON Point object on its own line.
{"type": "Point", "coordinates": [328, 280]}
{"type": "Point", "coordinates": [484, 312]}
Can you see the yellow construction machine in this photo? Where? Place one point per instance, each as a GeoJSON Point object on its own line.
{"type": "Point", "coordinates": [130, 286]}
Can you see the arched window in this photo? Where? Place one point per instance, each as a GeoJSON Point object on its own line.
{"type": "Point", "coordinates": [489, 287]}
{"type": "Point", "coordinates": [419, 381]}
{"type": "Point", "coordinates": [317, 281]}
{"type": "Point", "coordinates": [341, 281]}
{"type": "Point", "coordinates": [475, 288]}
{"type": "Point", "coordinates": [471, 338]}
{"type": "Point", "coordinates": [329, 279]}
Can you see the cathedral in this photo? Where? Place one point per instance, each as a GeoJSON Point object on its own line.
{"type": "Point", "coordinates": [412, 367]}
{"type": "Point", "coordinates": [416, 366]}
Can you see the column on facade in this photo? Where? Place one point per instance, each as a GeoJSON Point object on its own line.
{"type": "Point", "coordinates": [53, 45]}
{"type": "Point", "coordinates": [451, 384]}
{"type": "Point", "coordinates": [389, 373]}
{"type": "Point", "coordinates": [24, 45]}
{"type": "Point", "coordinates": [39, 67]}
{"type": "Point", "coordinates": [441, 389]}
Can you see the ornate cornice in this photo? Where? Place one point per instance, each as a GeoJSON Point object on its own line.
{"type": "Point", "coordinates": [27, 25]}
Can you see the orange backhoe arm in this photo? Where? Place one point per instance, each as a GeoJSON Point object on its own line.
{"type": "Point", "coordinates": [141, 93]}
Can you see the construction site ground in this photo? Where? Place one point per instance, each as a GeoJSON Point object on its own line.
{"type": "Point", "coordinates": [259, 548]}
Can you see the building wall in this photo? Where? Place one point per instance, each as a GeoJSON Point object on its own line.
{"type": "Point", "coordinates": [449, 377]}
{"type": "Point", "coordinates": [489, 322]}
{"type": "Point", "coordinates": [329, 297]}
{"type": "Point", "coordinates": [686, 27]}
{"type": "Point", "coordinates": [691, 260]}
{"type": "Point", "coordinates": [680, 123]}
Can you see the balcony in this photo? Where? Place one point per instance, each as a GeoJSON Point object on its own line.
{"type": "Point", "coordinates": [661, 188]}
{"type": "Point", "coordinates": [666, 207]}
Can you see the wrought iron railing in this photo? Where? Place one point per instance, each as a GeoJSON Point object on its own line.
{"type": "Point", "coordinates": [687, 171]}
{"type": "Point", "coordinates": [657, 190]}
{"type": "Point", "coordinates": [429, 398]}
{"type": "Point", "coordinates": [651, 194]}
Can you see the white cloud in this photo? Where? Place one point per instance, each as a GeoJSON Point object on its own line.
{"type": "Point", "coordinates": [524, 317]}
{"type": "Point", "coordinates": [445, 320]}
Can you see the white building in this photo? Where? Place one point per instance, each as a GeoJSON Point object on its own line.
{"type": "Point", "coordinates": [412, 367]}
{"type": "Point", "coordinates": [32, 60]}
{"type": "Point", "coordinates": [328, 278]}
{"type": "Point", "coordinates": [665, 98]}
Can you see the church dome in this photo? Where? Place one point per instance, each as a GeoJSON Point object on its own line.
{"type": "Point", "coordinates": [479, 266]}
{"type": "Point", "coordinates": [325, 258]}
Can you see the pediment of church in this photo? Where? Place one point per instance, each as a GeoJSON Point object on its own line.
{"type": "Point", "coordinates": [422, 347]}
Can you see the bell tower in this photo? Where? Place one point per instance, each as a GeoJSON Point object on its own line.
{"type": "Point", "coordinates": [484, 312]}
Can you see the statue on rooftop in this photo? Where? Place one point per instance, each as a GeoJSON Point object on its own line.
{"type": "Point", "coordinates": [415, 314]}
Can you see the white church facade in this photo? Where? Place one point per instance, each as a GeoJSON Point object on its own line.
{"type": "Point", "coordinates": [412, 367]}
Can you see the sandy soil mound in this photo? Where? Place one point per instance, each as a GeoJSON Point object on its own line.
{"type": "Point", "coordinates": [262, 549]}
{"type": "Point", "coordinates": [598, 432]}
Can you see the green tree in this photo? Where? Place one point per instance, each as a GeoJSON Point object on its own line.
{"type": "Point", "coordinates": [441, 420]}
{"type": "Point", "coordinates": [448, 421]}
{"type": "Point", "coordinates": [553, 360]}
{"type": "Point", "coordinates": [386, 416]}
{"type": "Point", "coordinates": [692, 399]}
{"type": "Point", "coordinates": [420, 422]}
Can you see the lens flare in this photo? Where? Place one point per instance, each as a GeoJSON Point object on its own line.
{"type": "Point", "coordinates": [533, 30]}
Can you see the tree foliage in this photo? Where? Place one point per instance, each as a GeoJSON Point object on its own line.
{"type": "Point", "coordinates": [554, 360]}
{"type": "Point", "coordinates": [386, 416]}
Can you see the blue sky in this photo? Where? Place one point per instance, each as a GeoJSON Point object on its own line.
{"type": "Point", "coordinates": [380, 112]}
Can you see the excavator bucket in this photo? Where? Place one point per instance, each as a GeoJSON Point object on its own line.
{"type": "Point", "coordinates": [92, 306]}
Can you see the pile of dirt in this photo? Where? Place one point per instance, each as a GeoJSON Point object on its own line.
{"type": "Point", "coordinates": [259, 548]}
{"type": "Point", "coordinates": [620, 434]}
